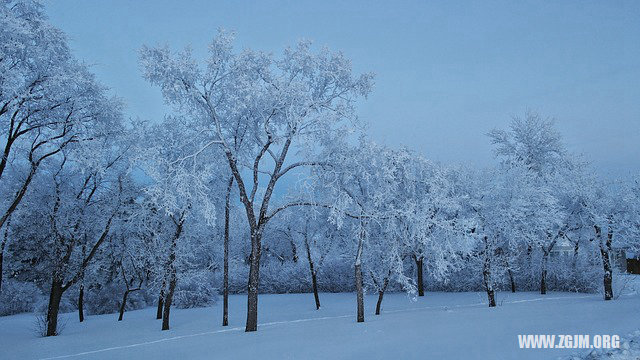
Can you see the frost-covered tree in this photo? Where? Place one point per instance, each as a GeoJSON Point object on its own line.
{"type": "Point", "coordinates": [427, 218]}
{"type": "Point", "coordinates": [256, 108]}
{"type": "Point", "coordinates": [311, 236]}
{"type": "Point", "coordinates": [507, 208]}
{"type": "Point", "coordinates": [181, 171]}
{"type": "Point", "coordinates": [609, 217]}
{"type": "Point", "coordinates": [361, 184]}
{"type": "Point", "coordinates": [534, 146]}
{"type": "Point", "coordinates": [87, 188]}
{"type": "Point", "coordinates": [48, 100]}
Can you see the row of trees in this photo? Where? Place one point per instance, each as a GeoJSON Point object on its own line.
{"type": "Point", "coordinates": [94, 205]}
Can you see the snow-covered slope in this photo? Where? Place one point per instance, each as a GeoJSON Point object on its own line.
{"type": "Point", "coordinates": [438, 326]}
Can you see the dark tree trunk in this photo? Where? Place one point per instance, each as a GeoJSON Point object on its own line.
{"type": "Point", "coordinates": [605, 249]}
{"type": "Point", "coordinates": [5, 239]}
{"type": "Point", "coordinates": [486, 277]}
{"type": "Point", "coordinates": [606, 264]}
{"type": "Point", "coordinates": [381, 294]}
{"type": "Point", "coordinates": [314, 280]}
{"type": "Point", "coordinates": [511, 279]}
{"type": "Point", "coordinates": [294, 251]}
{"type": "Point", "coordinates": [122, 306]}
{"type": "Point", "coordinates": [225, 281]}
{"type": "Point", "coordinates": [358, 277]}
{"type": "Point", "coordinates": [20, 194]}
{"type": "Point", "coordinates": [54, 307]}
{"type": "Point", "coordinates": [172, 272]}
{"type": "Point", "coordinates": [492, 297]}
{"type": "Point", "coordinates": [167, 301]}
{"type": "Point", "coordinates": [160, 303]}
{"type": "Point", "coordinates": [254, 281]}
{"type": "Point", "coordinates": [1, 269]}
{"type": "Point", "coordinates": [543, 275]}
{"type": "Point", "coordinates": [359, 292]}
{"type": "Point", "coordinates": [81, 304]}
{"type": "Point", "coordinates": [420, 280]}
{"type": "Point", "coordinates": [379, 302]}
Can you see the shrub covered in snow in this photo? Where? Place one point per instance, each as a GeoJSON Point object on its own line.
{"type": "Point", "coordinates": [18, 297]}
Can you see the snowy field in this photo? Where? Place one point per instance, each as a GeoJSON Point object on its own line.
{"type": "Point", "coordinates": [438, 326]}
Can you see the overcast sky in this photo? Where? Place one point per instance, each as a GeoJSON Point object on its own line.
{"type": "Point", "coordinates": [445, 73]}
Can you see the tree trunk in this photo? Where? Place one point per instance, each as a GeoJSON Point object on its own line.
{"type": "Point", "coordinates": [160, 303]}
{"type": "Point", "coordinates": [420, 280]}
{"type": "Point", "coordinates": [171, 268]}
{"type": "Point", "coordinates": [492, 297]}
{"type": "Point", "coordinates": [606, 264]}
{"type": "Point", "coordinates": [511, 279]}
{"type": "Point", "coordinates": [5, 239]}
{"type": "Point", "coordinates": [122, 306]}
{"type": "Point", "coordinates": [167, 301]}
{"type": "Point", "coordinates": [314, 280]}
{"type": "Point", "coordinates": [254, 281]}
{"type": "Point", "coordinates": [486, 276]}
{"type": "Point", "coordinates": [225, 281]}
{"type": "Point", "coordinates": [80, 303]}
{"type": "Point", "coordinates": [358, 269]}
{"type": "Point", "coordinates": [359, 292]}
{"type": "Point", "coordinates": [543, 275]}
{"type": "Point", "coordinates": [19, 195]}
{"type": "Point", "coordinates": [54, 307]}
{"type": "Point", "coordinates": [1, 269]}
{"type": "Point", "coordinates": [605, 249]}
{"type": "Point", "coordinates": [381, 294]}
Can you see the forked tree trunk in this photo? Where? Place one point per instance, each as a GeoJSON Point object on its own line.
{"type": "Point", "coordinates": [57, 286]}
{"type": "Point", "coordinates": [129, 290]}
{"type": "Point", "coordinates": [254, 281]}
{"type": "Point", "coordinates": [543, 274]}
{"type": "Point", "coordinates": [54, 306]}
{"type": "Point", "coordinates": [420, 279]}
{"type": "Point", "coordinates": [81, 303]}
{"type": "Point", "coordinates": [225, 279]}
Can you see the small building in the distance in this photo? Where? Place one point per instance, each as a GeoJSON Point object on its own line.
{"type": "Point", "coordinates": [633, 262]}
{"type": "Point", "coordinates": [622, 260]}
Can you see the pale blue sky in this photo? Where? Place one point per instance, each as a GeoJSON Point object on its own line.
{"type": "Point", "coordinates": [446, 73]}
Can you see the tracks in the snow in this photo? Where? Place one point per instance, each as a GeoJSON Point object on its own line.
{"type": "Point", "coordinates": [234, 329]}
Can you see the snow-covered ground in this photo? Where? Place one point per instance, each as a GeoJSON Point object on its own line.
{"type": "Point", "coordinates": [438, 326]}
